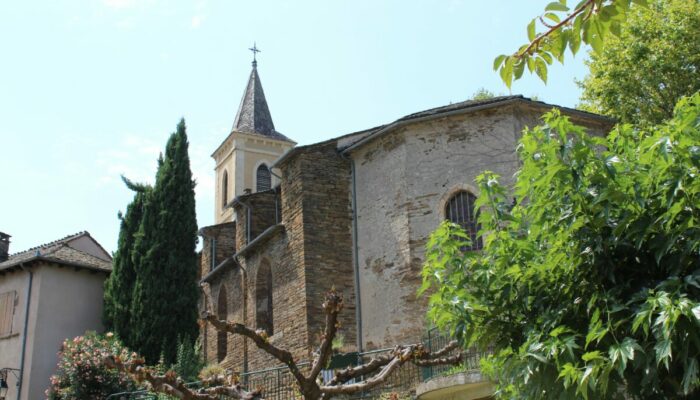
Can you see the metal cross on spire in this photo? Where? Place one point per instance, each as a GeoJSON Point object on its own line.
{"type": "Point", "coordinates": [255, 50]}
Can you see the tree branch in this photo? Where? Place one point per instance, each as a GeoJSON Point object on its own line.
{"type": "Point", "coordinates": [331, 306]}
{"type": "Point", "coordinates": [261, 340]}
{"type": "Point", "coordinates": [401, 355]}
{"type": "Point", "coordinates": [536, 41]}
{"type": "Point", "coordinates": [172, 385]}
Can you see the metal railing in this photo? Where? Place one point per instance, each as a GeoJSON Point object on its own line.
{"type": "Point", "coordinates": [278, 383]}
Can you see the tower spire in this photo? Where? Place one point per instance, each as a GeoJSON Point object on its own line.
{"type": "Point", "coordinates": [253, 113]}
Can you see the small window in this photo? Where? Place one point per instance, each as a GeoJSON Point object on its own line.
{"type": "Point", "coordinates": [224, 189]}
{"type": "Point", "coordinates": [7, 312]}
{"type": "Point", "coordinates": [263, 178]}
{"type": "Point", "coordinates": [221, 337]}
{"type": "Point", "coordinates": [263, 298]}
{"type": "Point", "coordinates": [460, 210]}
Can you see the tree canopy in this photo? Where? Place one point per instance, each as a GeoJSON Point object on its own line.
{"type": "Point", "coordinates": [589, 284]}
{"type": "Point", "coordinates": [639, 75]}
{"type": "Point", "coordinates": [119, 287]}
{"type": "Point", "coordinates": [164, 302]}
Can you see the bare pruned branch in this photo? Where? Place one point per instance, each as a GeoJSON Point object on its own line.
{"type": "Point", "coordinates": [260, 339]}
{"type": "Point", "coordinates": [372, 374]}
{"type": "Point", "coordinates": [172, 385]}
{"type": "Point", "coordinates": [331, 307]}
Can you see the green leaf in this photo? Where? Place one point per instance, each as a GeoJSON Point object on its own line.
{"type": "Point", "coordinates": [498, 61]}
{"type": "Point", "coordinates": [552, 16]}
{"type": "Point", "coordinates": [556, 6]}
{"type": "Point", "coordinates": [592, 355]}
{"type": "Point", "coordinates": [541, 69]}
{"type": "Point", "coordinates": [531, 30]}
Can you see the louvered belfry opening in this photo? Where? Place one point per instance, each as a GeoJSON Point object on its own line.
{"type": "Point", "coordinates": [224, 189]}
{"type": "Point", "coordinates": [263, 178]}
{"type": "Point", "coordinates": [222, 313]}
{"type": "Point", "coordinates": [460, 210]}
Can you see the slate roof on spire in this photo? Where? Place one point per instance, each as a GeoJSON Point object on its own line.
{"type": "Point", "coordinates": [253, 114]}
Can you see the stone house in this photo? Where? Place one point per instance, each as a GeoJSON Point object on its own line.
{"type": "Point", "coordinates": [353, 212]}
{"type": "Point", "coordinates": [47, 294]}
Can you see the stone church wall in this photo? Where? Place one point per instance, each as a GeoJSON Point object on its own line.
{"type": "Point", "coordinates": [325, 178]}
{"type": "Point", "coordinates": [403, 180]}
{"type": "Point", "coordinates": [225, 237]}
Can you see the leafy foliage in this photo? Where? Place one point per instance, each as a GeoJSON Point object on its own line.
{"type": "Point", "coordinates": [119, 286]}
{"type": "Point", "coordinates": [188, 360]}
{"type": "Point", "coordinates": [589, 285]}
{"type": "Point", "coordinates": [81, 372]}
{"type": "Point", "coordinates": [566, 28]}
{"type": "Point", "coordinates": [640, 74]}
{"type": "Point", "coordinates": [164, 302]}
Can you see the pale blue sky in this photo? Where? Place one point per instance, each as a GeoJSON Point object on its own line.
{"type": "Point", "coordinates": [91, 89]}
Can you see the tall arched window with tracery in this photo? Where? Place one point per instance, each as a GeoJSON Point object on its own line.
{"type": "Point", "coordinates": [460, 210]}
{"type": "Point", "coordinates": [263, 178]}
{"type": "Point", "coordinates": [224, 189]}
{"type": "Point", "coordinates": [263, 298]}
{"type": "Point", "coordinates": [222, 313]}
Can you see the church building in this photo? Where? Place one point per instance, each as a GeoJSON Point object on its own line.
{"type": "Point", "coordinates": [353, 212]}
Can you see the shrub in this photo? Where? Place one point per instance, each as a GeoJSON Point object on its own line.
{"type": "Point", "coordinates": [81, 372]}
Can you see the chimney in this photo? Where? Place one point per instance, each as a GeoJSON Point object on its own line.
{"type": "Point", "coordinates": [4, 246]}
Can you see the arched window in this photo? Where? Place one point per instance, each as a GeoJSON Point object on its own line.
{"type": "Point", "coordinates": [460, 210]}
{"type": "Point", "coordinates": [224, 189]}
{"type": "Point", "coordinates": [263, 298]}
{"type": "Point", "coordinates": [222, 313]}
{"type": "Point", "coordinates": [263, 178]}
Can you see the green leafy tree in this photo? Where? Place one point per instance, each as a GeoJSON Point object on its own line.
{"type": "Point", "coordinates": [164, 304]}
{"type": "Point", "coordinates": [119, 287]}
{"type": "Point", "coordinates": [640, 74]}
{"type": "Point", "coordinates": [588, 286]}
{"type": "Point", "coordinates": [561, 28]}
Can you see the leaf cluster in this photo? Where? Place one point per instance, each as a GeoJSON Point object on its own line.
{"type": "Point", "coordinates": [588, 286]}
{"type": "Point", "coordinates": [565, 28]}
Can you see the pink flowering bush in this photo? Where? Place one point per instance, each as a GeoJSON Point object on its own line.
{"type": "Point", "coordinates": [81, 371]}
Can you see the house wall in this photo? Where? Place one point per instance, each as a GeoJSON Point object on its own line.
{"type": "Point", "coordinates": [66, 302]}
{"type": "Point", "coordinates": [87, 245]}
{"type": "Point", "coordinates": [11, 345]}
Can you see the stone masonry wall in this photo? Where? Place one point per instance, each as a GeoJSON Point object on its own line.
{"type": "Point", "coordinates": [325, 178]}
{"type": "Point", "coordinates": [404, 180]}
{"type": "Point", "coordinates": [225, 237]}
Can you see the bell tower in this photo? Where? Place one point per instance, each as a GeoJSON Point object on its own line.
{"type": "Point", "coordinates": [244, 158]}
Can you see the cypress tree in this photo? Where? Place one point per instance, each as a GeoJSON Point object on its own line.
{"type": "Point", "coordinates": [164, 305]}
{"type": "Point", "coordinates": [119, 286]}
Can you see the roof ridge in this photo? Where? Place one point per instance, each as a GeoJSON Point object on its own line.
{"type": "Point", "coordinates": [62, 240]}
